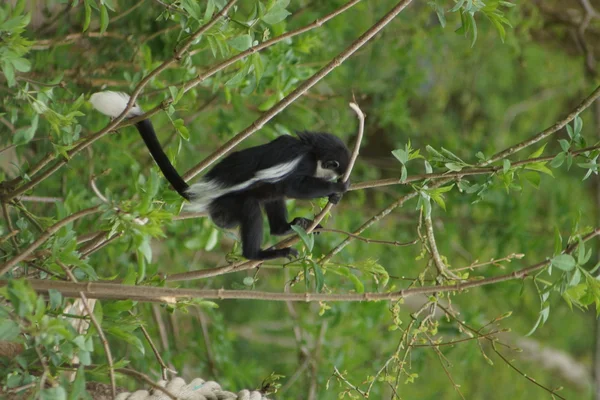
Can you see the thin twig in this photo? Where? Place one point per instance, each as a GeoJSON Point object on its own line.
{"type": "Point", "coordinates": [46, 370]}
{"type": "Point", "coordinates": [547, 132]}
{"type": "Point", "coordinates": [40, 199]}
{"type": "Point", "coordinates": [162, 364]}
{"type": "Point", "coordinates": [88, 310]}
{"type": "Point", "coordinates": [462, 173]}
{"type": "Point", "coordinates": [524, 375]}
{"type": "Point", "coordinates": [493, 261]}
{"type": "Point", "coordinates": [11, 228]}
{"type": "Point", "coordinates": [146, 379]}
{"type": "Point", "coordinates": [367, 240]}
{"type": "Point", "coordinates": [127, 12]}
{"type": "Point", "coordinates": [101, 245]}
{"type": "Point", "coordinates": [341, 377]}
{"type": "Point", "coordinates": [212, 365]}
{"type": "Point", "coordinates": [435, 254]}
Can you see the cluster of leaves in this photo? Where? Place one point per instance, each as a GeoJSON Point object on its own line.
{"type": "Point", "coordinates": [47, 330]}
{"type": "Point", "coordinates": [467, 10]}
{"type": "Point", "coordinates": [577, 284]}
{"type": "Point", "coordinates": [13, 46]}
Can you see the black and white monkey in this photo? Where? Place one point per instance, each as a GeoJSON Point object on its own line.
{"type": "Point", "coordinates": [234, 190]}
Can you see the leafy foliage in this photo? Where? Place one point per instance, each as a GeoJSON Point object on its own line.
{"type": "Point", "coordinates": [440, 106]}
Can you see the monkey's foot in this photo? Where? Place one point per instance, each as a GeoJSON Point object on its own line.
{"type": "Point", "coordinates": [305, 223]}
{"type": "Point", "coordinates": [270, 254]}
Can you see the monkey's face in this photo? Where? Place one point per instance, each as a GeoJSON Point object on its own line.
{"type": "Point", "coordinates": [333, 164]}
{"type": "Point", "coordinates": [331, 154]}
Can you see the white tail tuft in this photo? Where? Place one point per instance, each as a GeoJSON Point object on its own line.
{"type": "Point", "coordinates": [113, 103]}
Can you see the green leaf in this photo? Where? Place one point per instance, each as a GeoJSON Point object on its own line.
{"type": "Point", "coordinates": [565, 262]}
{"type": "Point", "coordinates": [55, 393]}
{"type": "Point", "coordinates": [23, 135]}
{"type": "Point", "coordinates": [541, 167]}
{"type": "Point", "coordinates": [275, 15]}
{"type": "Point", "coordinates": [192, 7]}
{"type": "Point", "coordinates": [78, 386]}
{"type": "Point", "coordinates": [533, 178]}
{"type": "Point", "coordinates": [103, 18]}
{"type": "Point", "coordinates": [577, 125]}
{"type": "Point", "coordinates": [210, 9]}
{"type": "Point", "coordinates": [439, 10]}
{"type": "Point", "coordinates": [557, 241]}
{"type": "Point", "coordinates": [359, 287]}
{"type": "Point", "coordinates": [309, 240]}
{"type": "Point", "coordinates": [564, 144]}
{"type": "Point", "coordinates": [505, 166]}
{"type": "Point", "coordinates": [241, 43]}
{"type": "Point", "coordinates": [146, 249]}
{"type": "Point", "coordinates": [428, 168]}
{"type": "Point", "coordinates": [128, 337]}
{"type": "Point", "coordinates": [453, 166]}
{"type": "Point", "coordinates": [537, 323]}
{"type": "Point", "coordinates": [259, 66]}
{"type": "Point", "coordinates": [401, 155]}
{"type": "Point", "coordinates": [499, 27]}
{"type": "Point", "coordinates": [319, 278]}
{"type": "Point", "coordinates": [21, 64]}
{"type": "Point", "coordinates": [558, 160]}
{"type": "Point", "coordinates": [9, 73]}
{"type": "Point", "coordinates": [472, 28]}
{"type": "Point", "coordinates": [575, 279]}
{"type": "Point", "coordinates": [9, 330]}
{"type": "Point", "coordinates": [538, 152]}
{"type": "Point", "coordinates": [570, 131]}
{"type": "Point", "coordinates": [404, 174]}
{"type": "Point", "coordinates": [212, 241]}
{"type": "Point", "coordinates": [55, 298]}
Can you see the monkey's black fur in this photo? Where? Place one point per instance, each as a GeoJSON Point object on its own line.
{"type": "Point", "coordinates": [149, 136]}
{"type": "Point", "coordinates": [243, 207]}
{"type": "Point", "coordinates": [236, 188]}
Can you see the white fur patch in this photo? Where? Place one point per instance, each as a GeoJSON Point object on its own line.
{"type": "Point", "coordinates": [324, 173]}
{"type": "Point", "coordinates": [203, 192]}
{"type": "Point", "coordinates": [275, 173]}
{"type": "Point", "coordinates": [113, 103]}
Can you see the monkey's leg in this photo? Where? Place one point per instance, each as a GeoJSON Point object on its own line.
{"type": "Point", "coordinates": [277, 215]}
{"type": "Point", "coordinates": [251, 232]}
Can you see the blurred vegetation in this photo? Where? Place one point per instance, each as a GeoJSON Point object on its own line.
{"type": "Point", "coordinates": [459, 80]}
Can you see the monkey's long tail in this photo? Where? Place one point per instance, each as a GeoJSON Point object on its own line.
{"type": "Point", "coordinates": [112, 104]}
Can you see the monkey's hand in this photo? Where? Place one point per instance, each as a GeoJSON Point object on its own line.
{"type": "Point", "coordinates": [304, 223]}
{"type": "Point", "coordinates": [291, 253]}
{"type": "Point", "coordinates": [342, 187]}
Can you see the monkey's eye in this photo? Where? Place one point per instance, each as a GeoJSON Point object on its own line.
{"type": "Point", "coordinates": [331, 164]}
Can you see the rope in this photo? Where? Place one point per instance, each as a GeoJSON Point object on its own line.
{"type": "Point", "coordinates": [198, 389]}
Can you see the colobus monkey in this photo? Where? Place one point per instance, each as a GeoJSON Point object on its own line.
{"type": "Point", "coordinates": [234, 190]}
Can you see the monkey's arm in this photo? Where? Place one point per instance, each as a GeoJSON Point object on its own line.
{"type": "Point", "coordinates": [309, 187]}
